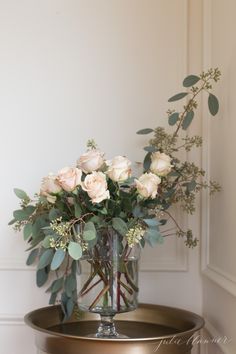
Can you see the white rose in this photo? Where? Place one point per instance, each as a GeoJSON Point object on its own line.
{"type": "Point", "coordinates": [147, 185]}
{"type": "Point", "coordinates": [69, 178]}
{"type": "Point", "coordinates": [90, 161]}
{"type": "Point", "coordinates": [161, 163]}
{"type": "Point", "coordinates": [95, 185]}
{"type": "Point", "coordinates": [119, 168]}
{"type": "Point", "coordinates": [50, 186]}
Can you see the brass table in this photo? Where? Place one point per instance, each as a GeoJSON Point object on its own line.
{"type": "Point", "coordinates": [150, 328]}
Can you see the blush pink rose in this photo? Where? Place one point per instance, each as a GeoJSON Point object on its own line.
{"type": "Point", "coordinates": [95, 185]}
{"type": "Point", "coordinates": [69, 178]}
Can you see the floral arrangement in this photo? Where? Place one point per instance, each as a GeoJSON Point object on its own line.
{"type": "Point", "coordinates": [76, 207]}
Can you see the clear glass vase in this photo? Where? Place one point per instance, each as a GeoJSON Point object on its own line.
{"type": "Point", "coordinates": [109, 281]}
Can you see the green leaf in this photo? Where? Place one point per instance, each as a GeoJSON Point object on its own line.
{"type": "Point", "coordinates": [39, 225]}
{"type": "Point", "coordinates": [137, 212]}
{"type": "Point", "coordinates": [89, 226]}
{"type": "Point", "coordinates": [150, 148]}
{"type": "Point", "coordinates": [46, 241]}
{"type": "Point", "coordinates": [190, 80]}
{"type": "Point", "coordinates": [74, 268]}
{"type": "Point", "coordinates": [21, 194]}
{"type": "Point", "coordinates": [75, 250]}
{"type": "Point", "coordinates": [53, 298]}
{"type": "Point", "coordinates": [69, 307]}
{"type": "Point", "coordinates": [147, 161]}
{"type": "Point", "coordinates": [54, 214]}
{"type": "Point", "coordinates": [145, 131]}
{"type": "Point", "coordinates": [41, 277]}
{"type": "Point", "coordinates": [32, 256]}
{"type": "Point", "coordinates": [57, 285]}
{"type": "Point", "coordinates": [78, 210]}
{"type": "Point", "coordinates": [12, 222]}
{"type": "Point", "coordinates": [173, 118]}
{"type": "Point", "coordinates": [153, 236]}
{"type": "Point", "coordinates": [45, 258]}
{"type": "Point", "coordinates": [120, 226]}
{"type": "Point", "coordinates": [191, 185]}
{"type": "Point", "coordinates": [58, 259]}
{"type": "Point", "coordinates": [89, 235]}
{"type": "Point", "coordinates": [177, 97]}
{"type": "Point", "coordinates": [213, 104]}
{"type": "Point", "coordinates": [152, 222]}
{"type": "Point", "coordinates": [89, 232]}
{"type": "Point", "coordinates": [23, 214]}
{"type": "Point", "coordinates": [27, 232]}
{"type": "Point", "coordinates": [187, 120]}
{"type": "Point", "coordinates": [70, 284]}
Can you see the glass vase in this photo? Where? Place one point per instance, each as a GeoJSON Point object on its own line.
{"type": "Point", "coordinates": [109, 281]}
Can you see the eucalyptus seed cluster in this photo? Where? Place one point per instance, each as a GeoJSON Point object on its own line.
{"type": "Point", "coordinates": [134, 235]}
{"type": "Point", "coordinates": [163, 141]}
{"type": "Point", "coordinates": [190, 241]}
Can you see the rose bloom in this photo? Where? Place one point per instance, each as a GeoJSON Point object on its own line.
{"type": "Point", "coordinates": [90, 161]}
{"type": "Point", "coordinates": [147, 185]}
{"type": "Point", "coordinates": [69, 178]}
{"type": "Point", "coordinates": [50, 186]}
{"type": "Point", "coordinates": [95, 185]}
{"type": "Point", "coordinates": [119, 168]}
{"type": "Point", "coordinates": [161, 164]}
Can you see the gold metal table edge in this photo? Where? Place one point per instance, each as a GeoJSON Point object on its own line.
{"type": "Point", "coordinates": [185, 322]}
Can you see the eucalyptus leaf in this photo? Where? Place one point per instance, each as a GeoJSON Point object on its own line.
{"type": "Point", "coordinates": [46, 241]}
{"type": "Point", "coordinates": [187, 120]}
{"type": "Point", "coordinates": [45, 258]}
{"type": "Point", "coordinates": [75, 250]}
{"type": "Point", "coordinates": [54, 214]}
{"type": "Point", "coordinates": [78, 210]}
{"type": "Point", "coordinates": [53, 298]}
{"type": "Point", "coordinates": [12, 222]}
{"type": "Point", "coordinates": [70, 284]}
{"type": "Point", "coordinates": [153, 236]}
{"type": "Point", "coordinates": [120, 226]}
{"type": "Point", "coordinates": [137, 212]}
{"type": "Point", "coordinates": [178, 96]}
{"type": "Point", "coordinates": [152, 222]}
{"type": "Point", "coordinates": [147, 161]}
{"type": "Point", "coordinates": [57, 285]}
{"type": "Point", "coordinates": [145, 131]}
{"type": "Point", "coordinates": [21, 194]}
{"type": "Point", "coordinates": [89, 235]}
{"type": "Point", "coordinates": [41, 277]}
{"type": "Point", "coordinates": [23, 214]}
{"type": "Point", "coordinates": [32, 256]}
{"type": "Point", "coordinates": [173, 118]}
{"type": "Point", "coordinates": [27, 231]}
{"type": "Point", "coordinates": [191, 185]}
{"type": "Point", "coordinates": [213, 104]}
{"type": "Point", "coordinates": [69, 307]}
{"type": "Point", "coordinates": [58, 258]}
{"type": "Point", "coordinates": [150, 148]}
{"type": "Point", "coordinates": [190, 80]}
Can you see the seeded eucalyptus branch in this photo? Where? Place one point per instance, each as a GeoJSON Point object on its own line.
{"type": "Point", "coordinates": [186, 179]}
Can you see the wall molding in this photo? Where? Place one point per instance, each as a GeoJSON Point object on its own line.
{"type": "Point", "coordinates": [220, 277]}
{"type": "Point", "coordinates": [11, 320]}
{"type": "Point", "coordinates": [12, 264]}
{"type": "Point", "coordinates": [214, 333]}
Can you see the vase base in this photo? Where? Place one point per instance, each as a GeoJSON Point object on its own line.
{"type": "Point", "coordinates": [112, 336]}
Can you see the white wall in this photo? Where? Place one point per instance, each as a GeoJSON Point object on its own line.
{"type": "Point", "coordinates": [71, 70]}
{"type": "Point", "coordinates": [219, 222]}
